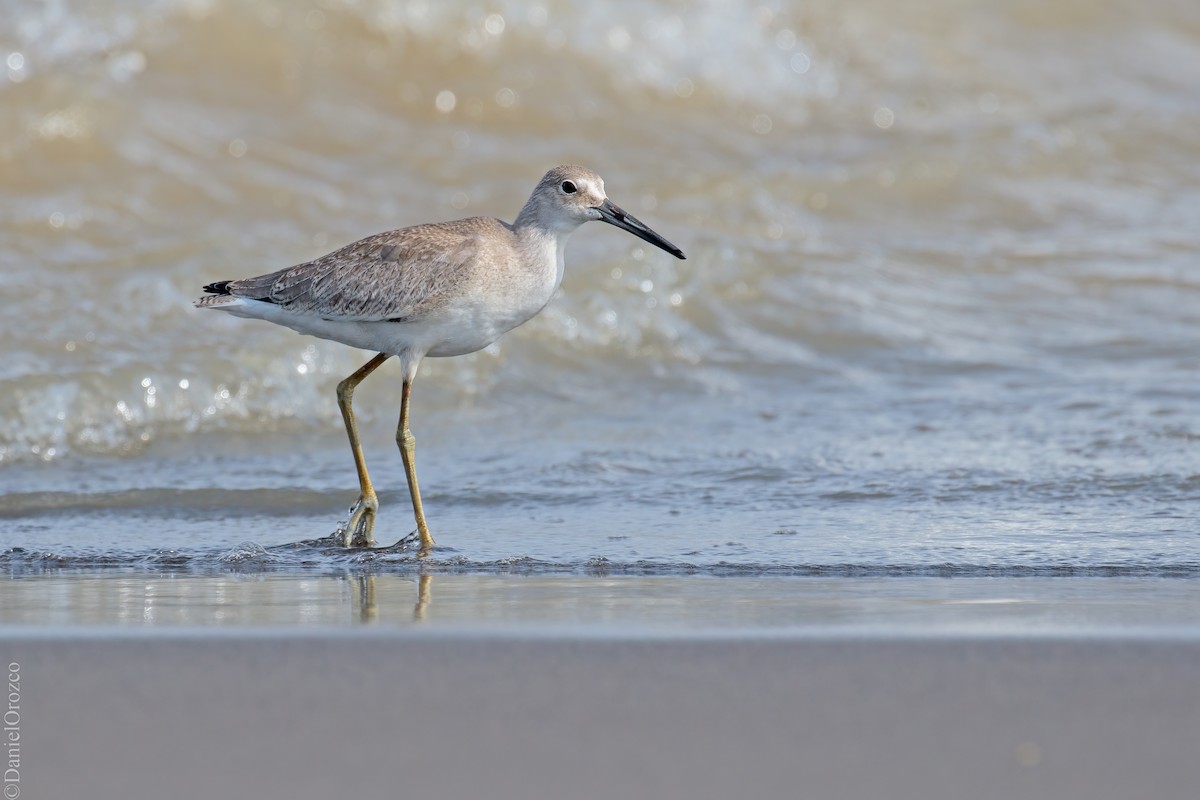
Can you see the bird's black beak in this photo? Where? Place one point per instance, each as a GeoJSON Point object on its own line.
{"type": "Point", "coordinates": [613, 214]}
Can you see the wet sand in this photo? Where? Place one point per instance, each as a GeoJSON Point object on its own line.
{"type": "Point", "coordinates": [382, 712]}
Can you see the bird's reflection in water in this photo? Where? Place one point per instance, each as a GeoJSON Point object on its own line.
{"type": "Point", "coordinates": [366, 607]}
{"type": "Point", "coordinates": [363, 600]}
{"type": "Point", "coordinates": [424, 591]}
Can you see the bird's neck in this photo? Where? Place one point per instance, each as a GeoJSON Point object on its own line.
{"type": "Point", "coordinates": [544, 247]}
{"type": "Point", "coordinates": [528, 218]}
{"type": "Point", "coordinates": [534, 217]}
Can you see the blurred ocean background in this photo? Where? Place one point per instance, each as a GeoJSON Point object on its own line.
{"type": "Point", "coordinates": [939, 314]}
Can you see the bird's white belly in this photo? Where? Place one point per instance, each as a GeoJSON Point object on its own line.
{"type": "Point", "coordinates": [465, 329]}
{"type": "Point", "coordinates": [483, 317]}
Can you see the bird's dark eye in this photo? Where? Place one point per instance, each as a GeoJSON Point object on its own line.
{"type": "Point", "coordinates": [568, 187]}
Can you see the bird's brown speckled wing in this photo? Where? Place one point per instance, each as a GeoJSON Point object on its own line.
{"type": "Point", "coordinates": [401, 274]}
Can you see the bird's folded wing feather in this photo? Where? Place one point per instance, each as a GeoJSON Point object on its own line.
{"type": "Point", "coordinates": [397, 275]}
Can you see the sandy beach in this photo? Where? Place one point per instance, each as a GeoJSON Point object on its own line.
{"type": "Point", "coordinates": [384, 713]}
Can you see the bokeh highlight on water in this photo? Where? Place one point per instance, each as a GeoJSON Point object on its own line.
{"type": "Point", "coordinates": [939, 311]}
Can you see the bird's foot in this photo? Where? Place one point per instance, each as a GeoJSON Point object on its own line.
{"type": "Point", "coordinates": [421, 544]}
{"type": "Point", "coordinates": [407, 542]}
{"type": "Point", "coordinates": [359, 528]}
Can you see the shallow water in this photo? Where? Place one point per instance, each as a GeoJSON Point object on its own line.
{"type": "Point", "coordinates": [542, 604]}
{"type": "Point", "coordinates": [938, 315]}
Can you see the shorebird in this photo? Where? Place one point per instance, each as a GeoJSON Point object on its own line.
{"type": "Point", "coordinates": [441, 289]}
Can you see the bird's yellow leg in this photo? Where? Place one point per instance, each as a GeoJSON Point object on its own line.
{"type": "Point", "coordinates": [360, 527]}
{"type": "Point", "coordinates": [407, 443]}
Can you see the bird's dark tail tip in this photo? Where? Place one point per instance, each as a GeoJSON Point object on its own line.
{"type": "Point", "coordinates": [220, 287]}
